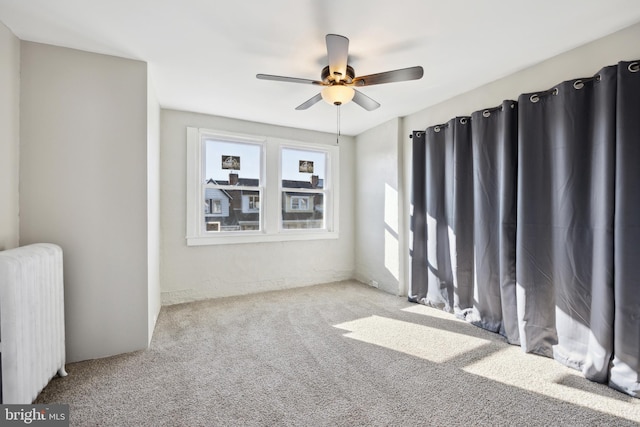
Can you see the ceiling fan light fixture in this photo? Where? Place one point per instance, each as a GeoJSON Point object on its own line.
{"type": "Point", "coordinates": [338, 77]}
{"type": "Point", "coordinates": [337, 94]}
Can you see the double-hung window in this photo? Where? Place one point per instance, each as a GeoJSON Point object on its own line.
{"type": "Point", "coordinates": [243, 188]}
{"type": "Point", "coordinates": [303, 178]}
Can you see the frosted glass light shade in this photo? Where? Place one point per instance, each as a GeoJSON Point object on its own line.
{"type": "Point", "coordinates": [337, 94]}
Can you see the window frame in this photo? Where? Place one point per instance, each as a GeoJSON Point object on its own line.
{"type": "Point", "coordinates": [329, 214]}
{"type": "Point", "coordinates": [270, 196]}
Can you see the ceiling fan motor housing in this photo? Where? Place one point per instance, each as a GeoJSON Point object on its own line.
{"type": "Point", "coordinates": [329, 79]}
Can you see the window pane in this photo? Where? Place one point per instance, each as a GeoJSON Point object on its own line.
{"type": "Point", "coordinates": [302, 210]}
{"type": "Point", "coordinates": [231, 210]}
{"type": "Point", "coordinates": [232, 163]}
{"type": "Point", "coordinates": [303, 168]}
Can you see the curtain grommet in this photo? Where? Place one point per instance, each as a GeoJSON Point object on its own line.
{"type": "Point", "coordinates": [555, 91]}
{"type": "Point", "coordinates": [634, 67]}
{"type": "Point", "coordinates": [534, 98]}
{"type": "Point", "coordinates": [598, 77]}
{"type": "Point", "coordinates": [463, 121]}
{"type": "Point", "coordinates": [578, 84]}
{"type": "Point", "coordinates": [436, 129]}
{"type": "Point", "coordinates": [486, 113]}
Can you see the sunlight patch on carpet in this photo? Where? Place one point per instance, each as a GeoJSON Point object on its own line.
{"type": "Point", "coordinates": [432, 312]}
{"type": "Point", "coordinates": [416, 340]}
{"type": "Point", "coordinates": [546, 376]}
{"type": "Point", "coordinates": [509, 365]}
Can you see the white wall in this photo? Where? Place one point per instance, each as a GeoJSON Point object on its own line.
{"type": "Point", "coordinates": [191, 273]}
{"type": "Point", "coordinates": [153, 207]}
{"type": "Point", "coordinates": [9, 136]}
{"type": "Point", "coordinates": [378, 235]}
{"type": "Point", "coordinates": [583, 61]}
{"type": "Point", "coordinates": [83, 185]}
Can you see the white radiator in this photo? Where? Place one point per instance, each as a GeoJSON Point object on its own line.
{"type": "Point", "coordinates": [31, 320]}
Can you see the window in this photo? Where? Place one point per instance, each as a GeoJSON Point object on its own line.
{"type": "Point", "coordinates": [232, 176]}
{"type": "Point", "coordinates": [212, 207]}
{"type": "Point", "coordinates": [216, 207]}
{"type": "Point", "coordinates": [258, 189]}
{"type": "Point", "coordinates": [303, 177]}
{"type": "Point", "coordinates": [253, 203]}
{"type": "Point", "coordinates": [299, 203]}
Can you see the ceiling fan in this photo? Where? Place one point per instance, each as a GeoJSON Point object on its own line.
{"type": "Point", "coordinates": [339, 79]}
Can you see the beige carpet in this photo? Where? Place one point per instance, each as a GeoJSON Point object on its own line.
{"type": "Point", "coordinates": [341, 354]}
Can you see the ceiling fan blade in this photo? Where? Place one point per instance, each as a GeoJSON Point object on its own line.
{"type": "Point", "coordinates": [288, 79]}
{"type": "Point", "coordinates": [364, 101]}
{"type": "Point", "coordinates": [309, 103]}
{"type": "Point", "coordinates": [338, 54]}
{"type": "Point", "coordinates": [412, 73]}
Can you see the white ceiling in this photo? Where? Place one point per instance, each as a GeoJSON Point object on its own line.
{"type": "Point", "coordinates": [203, 55]}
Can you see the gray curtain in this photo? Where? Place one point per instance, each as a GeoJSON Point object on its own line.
{"type": "Point", "coordinates": [566, 172]}
{"type": "Point", "coordinates": [430, 237]}
{"type": "Point", "coordinates": [442, 255]}
{"type": "Point", "coordinates": [526, 219]}
{"type": "Point", "coordinates": [418, 223]}
{"type": "Point", "coordinates": [625, 367]}
{"type": "Point", "coordinates": [495, 149]}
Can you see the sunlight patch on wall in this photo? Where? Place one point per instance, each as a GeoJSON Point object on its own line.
{"type": "Point", "coordinates": [391, 208]}
{"type": "Point", "coordinates": [391, 222]}
{"type": "Point", "coordinates": [391, 254]}
{"type": "Point", "coordinates": [415, 340]}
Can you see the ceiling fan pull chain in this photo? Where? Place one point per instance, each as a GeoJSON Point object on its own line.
{"type": "Point", "coordinates": [339, 133]}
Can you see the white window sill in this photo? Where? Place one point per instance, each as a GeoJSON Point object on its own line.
{"type": "Point", "coordinates": [284, 236]}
